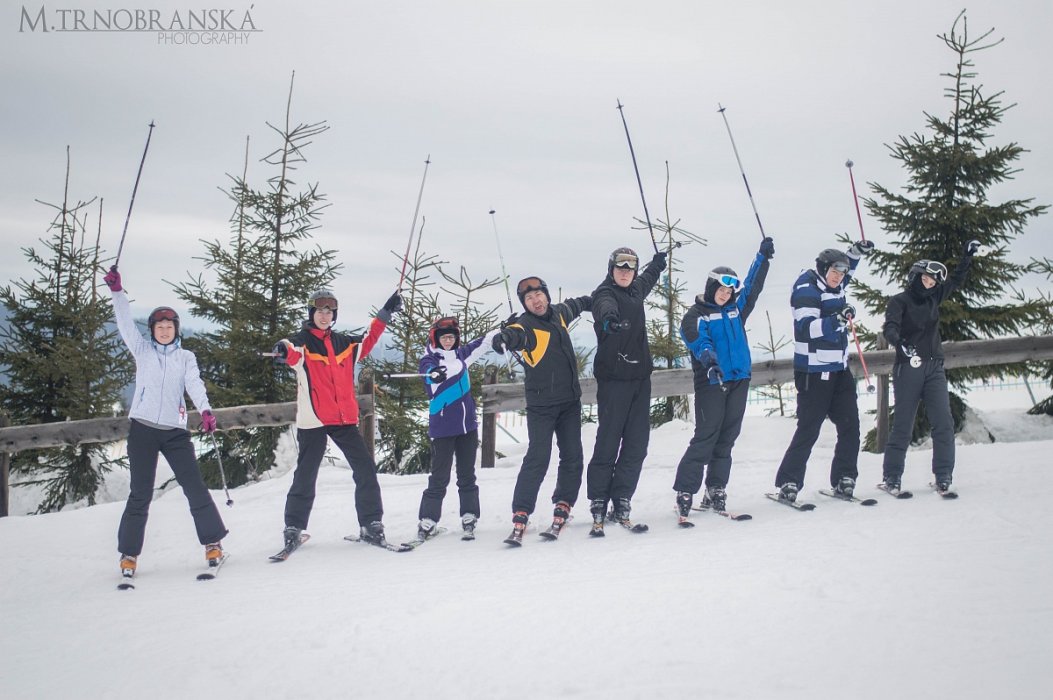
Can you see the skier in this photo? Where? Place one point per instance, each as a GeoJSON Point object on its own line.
{"type": "Point", "coordinates": [452, 424]}
{"type": "Point", "coordinates": [164, 371]}
{"type": "Point", "coordinates": [912, 327]}
{"type": "Point", "coordinates": [714, 330]}
{"type": "Point", "coordinates": [326, 407]}
{"type": "Point", "coordinates": [623, 385]}
{"type": "Point", "coordinates": [825, 386]}
{"type": "Point", "coordinates": [553, 397]}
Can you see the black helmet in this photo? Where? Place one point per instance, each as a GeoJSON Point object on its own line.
{"type": "Point", "coordinates": [832, 256]}
{"type": "Point", "coordinates": [530, 284]}
{"type": "Point", "coordinates": [625, 258]}
{"type": "Point", "coordinates": [321, 298]}
{"type": "Point", "coordinates": [721, 277]}
{"type": "Point", "coordinates": [162, 313]}
{"type": "Point", "coordinates": [444, 326]}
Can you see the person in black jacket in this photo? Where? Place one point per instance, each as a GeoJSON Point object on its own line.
{"type": "Point", "coordinates": [912, 327]}
{"type": "Point", "coordinates": [623, 385]}
{"type": "Point", "coordinates": [553, 397]}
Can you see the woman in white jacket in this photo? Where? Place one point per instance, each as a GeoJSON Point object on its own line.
{"type": "Point", "coordinates": [158, 425]}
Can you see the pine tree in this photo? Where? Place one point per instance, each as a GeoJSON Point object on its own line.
{"type": "Point", "coordinates": [62, 355]}
{"type": "Point", "coordinates": [264, 275]}
{"type": "Point", "coordinates": [951, 172]}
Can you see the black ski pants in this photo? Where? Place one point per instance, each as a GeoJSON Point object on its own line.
{"type": "Point", "coordinates": [443, 451]}
{"type": "Point", "coordinates": [912, 385]}
{"type": "Point", "coordinates": [622, 435]}
{"type": "Point", "coordinates": [312, 443]}
{"type": "Point", "coordinates": [718, 421]}
{"type": "Point", "coordinates": [819, 398]}
{"type": "Point", "coordinates": [563, 421]}
{"type": "Point", "coordinates": [144, 444]}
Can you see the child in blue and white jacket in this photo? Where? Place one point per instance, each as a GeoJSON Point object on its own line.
{"type": "Point", "coordinates": [714, 330]}
{"type": "Point", "coordinates": [452, 423]}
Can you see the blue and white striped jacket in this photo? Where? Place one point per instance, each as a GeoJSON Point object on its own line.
{"type": "Point", "coordinates": [820, 345]}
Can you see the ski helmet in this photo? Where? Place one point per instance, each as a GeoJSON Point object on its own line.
{"type": "Point", "coordinates": [625, 258]}
{"type": "Point", "coordinates": [447, 325]}
{"type": "Point", "coordinates": [322, 298]}
{"type": "Point", "coordinates": [162, 313]}
{"type": "Point", "coordinates": [531, 284]}
{"type": "Point", "coordinates": [721, 277]}
{"type": "Point", "coordinates": [832, 257]}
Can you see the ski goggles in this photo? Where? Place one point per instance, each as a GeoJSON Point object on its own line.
{"type": "Point", "coordinates": [324, 303]}
{"type": "Point", "coordinates": [626, 261]}
{"type": "Point", "coordinates": [447, 324]}
{"type": "Point", "coordinates": [530, 284]}
{"type": "Point", "coordinates": [932, 268]}
{"type": "Point", "coordinates": [726, 280]}
{"type": "Point", "coordinates": [164, 315]}
{"type": "Point", "coordinates": [840, 267]}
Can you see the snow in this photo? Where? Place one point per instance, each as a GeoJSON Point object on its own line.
{"type": "Point", "coordinates": [917, 598]}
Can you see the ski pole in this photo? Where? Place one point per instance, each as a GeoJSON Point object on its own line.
{"type": "Point", "coordinates": [135, 189]}
{"type": "Point", "coordinates": [403, 375]}
{"type": "Point", "coordinates": [862, 360]}
{"type": "Point", "coordinates": [639, 183]}
{"type": "Point", "coordinates": [508, 291]}
{"type": "Point", "coordinates": [413, 226]}
{"type": "Point", "coordinates": [855, 197]}
{"type": "Point", "coordinates": [222, 476]}
{"type": "Point", "coordinates": [742, 170]}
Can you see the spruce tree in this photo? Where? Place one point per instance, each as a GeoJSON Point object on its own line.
{"type": "Point", "coordinates": [951, 172]}
{"type": "Point", "coordinates": [264, 274]}
{"type": "Point", "coordinates": [62, 355]}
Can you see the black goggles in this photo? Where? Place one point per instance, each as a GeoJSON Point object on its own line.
{"type": "Point", "coordinates": [726, 280]}
{"type": "Point", "coordinates": [626, 261]}
{"type": "Point", "coordinates": [934, 269]}
{"type": "Point", "coordinates": [324, 303]}
{"type": "Point", "coordinates": [530, 284]}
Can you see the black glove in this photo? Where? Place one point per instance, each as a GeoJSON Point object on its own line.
{"type": "Point", "coordinates": [281, 353]}
{"type": "Point", "coordinates": [908, 350]}
{"type": "Point", "coordinates": [437, 375]}
{"type": "Point", "coordinates": [767, 248]}
{"type": "Point", "coordinates": [501, 341]}
{"type": "Point", "coordinates": [971, 248]}
{"type": "Point", "coordinates": [511, 319]}
{"type": "Point", "coordinates": [715, 374]}
{"type": "Point", "coordinates": [861, 249]}
{"type": "Point", "coordinates": [393, 304]}
{"type": "Point", "coordinates": [613, 325]}
{"type": "Point", "coordinates": [659, 261]}
{"type": "Point", "coordinates": [845, 315]}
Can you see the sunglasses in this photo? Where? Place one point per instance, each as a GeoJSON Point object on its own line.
{"type": "Point", "coordinates": [626, 261]}
{"type": "Point", "coordinates": [324, 303]}
{"type": "Point", "coordinates": [936, 270]}
{"type": "Point", "coordinates": [726, 280]}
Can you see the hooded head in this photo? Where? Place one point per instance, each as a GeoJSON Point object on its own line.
{"type": "Point", "coordinates": [163, 313]}
{"type": "Point", "coordinates": [936, 271]}
{"type": "Point", "coordinates": [624, 259]}
{"type": "Point", "coordinates": [721, 277]}
{"type": "Point", "coordinates": [446, 325]}
{"type": "Point", "coordinates": [322, 298]}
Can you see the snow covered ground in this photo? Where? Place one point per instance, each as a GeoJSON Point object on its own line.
{"type": "Point", "coordinates": [919, 598]}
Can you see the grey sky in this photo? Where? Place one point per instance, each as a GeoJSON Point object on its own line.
{"type": "Point", "coordinates": [515, 102]}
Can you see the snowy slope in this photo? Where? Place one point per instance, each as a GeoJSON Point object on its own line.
{"type": "Point", "coordinates": [921, 598]}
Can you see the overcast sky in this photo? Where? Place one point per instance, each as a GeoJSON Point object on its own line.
{"type": "Point", "coordinates": [515, 103]}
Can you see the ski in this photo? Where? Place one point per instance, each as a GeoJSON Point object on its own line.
{"type": "Point", "coordinates": [515, 539]}
{"type": "Point", "coordinates": [946, 495]}
{"type": "Point", "coordinates": [555, 528]}
{"type": "Point", "coordinates": [636, 528]}
{"type": "Point", "coordinates": [896, 493]}
{"type": "Point", "coordinates": [414, 543]}
{"type": "Point", "coordinates": [213, 569]}
{"type": "Point", "coordinates": [850, 499]}
{"type": "Point", "coordinates": [726, 513]}
{"type": "Point", "coordinates": [796, 505]}
{"type": "Point", "coordinates": [289, 549]}
{"type": "Point", "coordinates": [683, 522]}
{"type": "Point", "coordinates": [387, 546]}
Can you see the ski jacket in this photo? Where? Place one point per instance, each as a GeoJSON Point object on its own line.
{"type": "Point", "coordinates": [722, 329]}
{"type": "Point", "coordinates": [912, 317]}
{"type": "Point", "coordinates": [626, 354]}
{"type": "Point", "coordinates": [820, 344]}
{"type": "Point", "coordinates": [163, 374]}
{"type": "Point", "coordinates": [324, 362]}
{"type": "Point", "coordinates": [451, 408]}
{"type": "Point", "coordinates": [548, 353]}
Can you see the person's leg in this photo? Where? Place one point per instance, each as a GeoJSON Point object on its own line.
{"type": "Point", "coordinates": [844, 413]}
{"type": "Point", "coordinates": [709, 415]}
{"type": "Point", "coordinates": [612, 408]}
{"type": "Point", "coordinates": [907, 383]}
{"type": "Point", "coordinates": [143, 448]}
{"type": "Point", "coordinates": [636, 436]}
{"type": "Point", "coordinates": [541, 424]}
{"type": "Point", "coordinates": [179, 452]}
{"type": "Point", "coordinates": [719, 471]}
{"type": "Point", "coordinates": [813, 403]}
{"type": "Point", "coordinates": [441, 461]}
{"type": "Point", "coordinates": [300, 499]}
{"type": "Point", "coordinates": [938, 408]}
{"type": "Point", "coordinates": [571, 457]}
{"type": "Point", "coordinates": [466, 448]}
{"type": "Point", "coordinates": [368, 504]}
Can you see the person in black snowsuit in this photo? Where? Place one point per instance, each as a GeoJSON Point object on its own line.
{"type": "Point", "coordinates": [714, 330]}
{"type": "Point", "coordinates": [553, 398]}
{"type": "Point", "coordinates": [623, 384]}
{"type": "Point", "coordinates": [912, 327]}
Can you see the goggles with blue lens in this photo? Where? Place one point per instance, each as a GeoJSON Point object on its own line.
{"type": "Point", "coordinates": [726, 280]}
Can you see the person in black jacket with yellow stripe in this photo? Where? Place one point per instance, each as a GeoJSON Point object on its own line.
{"type": "Point", "coordinates": [553, 397]}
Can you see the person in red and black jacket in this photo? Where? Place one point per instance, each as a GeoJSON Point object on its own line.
{"type": "Point", "coordinates": [326, 407]}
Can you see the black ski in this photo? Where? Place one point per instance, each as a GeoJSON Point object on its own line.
{"type": "Point", "coordinates": [727, 514]}
{"type": "Point", "coordinates": [947, 495]}
{"type": "Point", "coordinates": [850, 499]}
{"type": "Point", "coordinates": [213, 569]}
{"type": "Point", "coordinates": [636, 528]}
{"type": "Point", "coordinates": [682, 521]}
{"type": "Point", "coordinates": [796, 505]}
{"type": "Point", "coordinates": [515, 539]}
{"type": "Point", "coordinates": [289, 549]}
{"type": "Point", "coordinates": [896, 493]}
{"type": "Point", "coordinates": [414, 543]}
{"type": "Point", "coordinates": [387, 546]}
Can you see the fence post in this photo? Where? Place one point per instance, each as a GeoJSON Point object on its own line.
{"type": "Point", "coordinates": [489, 440]}
{"type": "Point", "coordinates": [368, 421]}
{"type": "Point", "coordinates": [881, 436]}
{"type": "Point", "coordinates": [5, 467]}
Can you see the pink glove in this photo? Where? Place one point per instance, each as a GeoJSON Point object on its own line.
{"type": "Point", "coordinates": [208, 422]}
{"type": "Point", "coordinates": [113, 279]}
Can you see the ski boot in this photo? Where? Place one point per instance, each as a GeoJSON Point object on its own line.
{"type": "Point", "coordinates": [468, 522]}
{"type": "Point", "coordinates": [425, 529]}
{"type": "Point", "coordinates": [943, 487]}
{"type": "Point", "coordinates": [845, 487]}
{"type": "Point", "coordinates": [374, 534]}
{"type": "Point", "coordinates": [788, 492]}
{"type": "Point", "coordinates": [519, 524]}
{"type": "Point", "coordinates": [213, 554]}
{"type": "Point", "coordinates": [291, 536]}
{"type": "Point", "coordinates": [598, 508]}
{"type": "Point", "coordinates": [560, 516]}
{"type": "Point", "coordinates": [683, 508]}
{"type": "Point", "coordinates": [715, 498]}
{"type": "Point", "coordinates": [128, 563]}
{"type": "Point", "coordinates": [892, 484]}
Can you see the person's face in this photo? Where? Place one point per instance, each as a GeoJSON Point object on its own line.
{"type": "Point", "coordinates": [623, 276]}
{"type": "Point", "coordinates": [323, 317]}
{"type": "Point", "coordinates": [927, 281]}
{"type": "Point", "coordinates": [447, 341]}
{"type": "Point", "coordinates": [536, 302]}
{"type": "Point", "coordinates": [164, 332]}
{"type": "Point", "coordinates": [723, 295]}
{"type": "Point", "coordinates": [834, 277]}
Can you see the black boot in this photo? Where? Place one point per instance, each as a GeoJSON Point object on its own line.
{"type": "Point", "coordinates": [598, 508]}
{"type": "Point", "coordinates": [374, 534]}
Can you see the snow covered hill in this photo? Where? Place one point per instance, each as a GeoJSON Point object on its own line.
{"type": "Point", "coordinates": [920, 598]}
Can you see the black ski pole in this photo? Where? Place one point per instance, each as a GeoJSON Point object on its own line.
{"type": "Point", "coordinates": [222, 476]}
{"type": "Point", "coordinates": [855, 197]}
{"type": "Point", "coordinates": [508, 291]}
{"type": "Point", "coordinates": [135, 189]}
{"type": "Point", "coordinates": [413, 226]}
{"type": "Point", "coordinates": [639, 183]}
{"type": "Point", "coordinates": [741, 170]}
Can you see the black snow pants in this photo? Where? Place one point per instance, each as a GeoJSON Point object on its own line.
{"type": "Point", "coordinates": [443, 451]}
{"type": "Point", "coordinates": [622, 435]}
{"type": "Point", "coordinates": [718, 421]}
{"type": "Point", "coordinates": [563, 421]}
{"type": "Point", "coordinates": [912, 385]}
{"type": "Point", "coordinates": [818, 399]}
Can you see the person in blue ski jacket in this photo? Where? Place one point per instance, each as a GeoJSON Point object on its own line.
{"type": "Point", "coordinates": [452, 423]}
{"type": "Point", "coordinates": [714, 330]}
